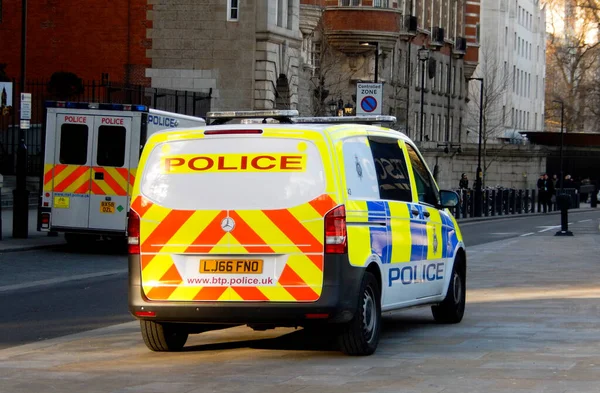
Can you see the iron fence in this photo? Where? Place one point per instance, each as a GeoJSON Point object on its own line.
{"type": "Point", "coordinates": [505, 201]}
{"type": "Point", "coordinates": [177, 101]}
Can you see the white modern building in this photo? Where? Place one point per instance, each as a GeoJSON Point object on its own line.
{"type": "Point", "coordinates": [512, 63]}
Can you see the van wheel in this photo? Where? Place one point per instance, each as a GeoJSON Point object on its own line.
{"type": "Point", "coordinates": [360, 336]}
{"type": "Point", "coordinates": [452, 309]}
{"type": "Point", "coordinates": [162, 337]}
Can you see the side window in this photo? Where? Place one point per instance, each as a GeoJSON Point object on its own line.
{"type": "Point", "coordinates": [392, 172]}
{"type": "Point", "coordinates": [361, 178]}
{"type": "Point", "coordinates": [426, 188]}
{"type": "Point", "coordinates": [111, 146]}
{"type": "Point", "coordinates": [73, 144]}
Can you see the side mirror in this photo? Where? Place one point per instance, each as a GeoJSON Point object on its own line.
{"type": "Point", "coordinates": [449, 199]}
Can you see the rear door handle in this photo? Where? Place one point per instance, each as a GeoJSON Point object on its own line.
{"type": "Point", "coordinates": [98, 175]}
{"type": "Point", "coordinates": [426, 214]}
{"type": "Point", "coordinates": [415, 212]}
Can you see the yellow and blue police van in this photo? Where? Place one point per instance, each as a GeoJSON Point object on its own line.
{"type": "Point", "coordinates": [289, 222]}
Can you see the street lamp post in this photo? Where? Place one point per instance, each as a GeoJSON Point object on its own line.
{"type": "Point", "coordinates": [562, 199]}
{"type": "Point", "coordinates": [423, 55]}
{"type": "Point", "coordinates": [20, 194]}
{"type": "Point", "coordinates": [478, 179]}
{"type": "Point", "coordinates": [376, 44]}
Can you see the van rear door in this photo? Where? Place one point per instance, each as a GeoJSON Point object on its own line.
{"type": "Point", "coordinates": [234, 218]}
{"type": "Point", "coordinates": [110, 177]}
{"type": "Point", "coordinates": [70, 176]}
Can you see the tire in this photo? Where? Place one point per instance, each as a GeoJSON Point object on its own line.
{"type": "Point", "coordinates": [360, 336]}
{"type": "Point", "coordinates": [452, 309]}
{"type": "Point", "coordinates": [162, 337]}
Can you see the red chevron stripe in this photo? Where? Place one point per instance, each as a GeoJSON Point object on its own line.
{"type": "Point", "coordinates": [210, 236]}
{"type": "Point", "coordinates": [48, 176]}
{"type": "Point", "coordinates": [160, 293]}
{"type": "Point", "coordinates": [165, 230]}
{"type": "Point", "coordinates": [171, 276]}
{"type": "Point", "coordinates": [294, 284]}
{"type": "Point", "coordinates": [250, 294]}
{"type": "Point", "coordinates": [141, 205]}
{"type": "Point", "coordinates": [85, 187]}
{"type": "Point", "coordinates": [112, 183]}
{"type": "Point", "coordinates": [323, 204]}
{"type": "Point", "coordinates": [96, 190]}
{"type": "Point", "coordinates": [294, 230]}
{"type": "Point", "coordinates": [76, 174]}
{"type": "Point", "coordinates": [210, 293]}
{"type": "Point", "coordinates": [244, 234]}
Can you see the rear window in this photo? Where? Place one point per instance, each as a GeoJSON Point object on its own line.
{"type": "Point", "coordinates": [111, 146]}
{"type": "Point", "coordinates": [226, 173]}
{"type": "Point", "coordinates": [73, 144]}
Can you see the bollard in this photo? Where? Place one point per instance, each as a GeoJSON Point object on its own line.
{"type": "Point", "coordinates": [594, 198]}
{"type": "Point", "coordinates": [564, 201]}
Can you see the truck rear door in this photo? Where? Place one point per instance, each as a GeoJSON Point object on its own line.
{"type": "Point", "coordinates": [70, 175]}
{"type": "Point", "coordinates": [110, 174]}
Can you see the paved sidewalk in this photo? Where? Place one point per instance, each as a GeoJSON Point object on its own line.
{"type": "Point", "coordinates": [34, 241]}
{"type": "Point", "coordinates": [531, 325]}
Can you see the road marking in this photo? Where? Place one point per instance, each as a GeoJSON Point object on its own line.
{"type": "Point", "coordinates": [528, 234]}
{"type": "Point", "coordinates": [546, 229]}
{"type": "Point", "coordinates": [60, 280]}
{"type": "Point", "coordinates": [585, 220]}
{"type": "Point", "coordinates": [504, 233]}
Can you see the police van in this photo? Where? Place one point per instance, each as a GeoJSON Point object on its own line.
{"type": "Point", "coordinates": [289, 222]}
{"type": "Point", "coordinates": [91, 154]}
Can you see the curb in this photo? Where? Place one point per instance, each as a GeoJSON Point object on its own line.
{"type": "Point", "coordinates": [512, 216]}
{"type": "Point", "coordinates": [27, 248]}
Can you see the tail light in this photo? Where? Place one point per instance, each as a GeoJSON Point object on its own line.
{"type": "Point", "coordinates": [45, 221]}
{"type": "Point", "coordinates": [336, 240]}
{"type": "Point", "coordinates": [133, 232]}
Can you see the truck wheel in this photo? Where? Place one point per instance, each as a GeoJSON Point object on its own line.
{"type": "Point", "coordinates": [160, 337]}
{"type": "Point", "coordinates": [452, 309]}
{"type": "Point", "coordinates": [360, 336]}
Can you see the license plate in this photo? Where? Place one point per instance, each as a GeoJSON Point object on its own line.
{"type": "Point", "coordinates": [247, 266]}
{"type": "Point", "coordinates": [107, 207]}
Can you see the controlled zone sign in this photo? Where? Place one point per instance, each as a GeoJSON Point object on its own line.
{"type": "Point", "coordinates": [368, 98]}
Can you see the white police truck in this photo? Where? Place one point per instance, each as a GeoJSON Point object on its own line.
{"type": "Point", "coordinates": [91, 154]}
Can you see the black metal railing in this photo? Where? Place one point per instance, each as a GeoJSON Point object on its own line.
{"type": "Point", "coordinates": [177, 101]}
{"type": "Point", "coordinates": [509, 201]}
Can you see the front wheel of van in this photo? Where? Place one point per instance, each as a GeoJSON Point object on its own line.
{"type": "Point", "coordinates": [360, 336]}
{"type": "Point", "coordinates": [160, 337]}
{"type": "Point", "coordinates": [452, 309]}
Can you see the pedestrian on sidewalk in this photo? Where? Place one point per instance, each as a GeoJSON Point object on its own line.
{"type": "Point", "coordinates": [463, 184]}
{"type": "Point", "coordinates": [541, 193]}
{"type": "Point", "coordinates": [551, 193]}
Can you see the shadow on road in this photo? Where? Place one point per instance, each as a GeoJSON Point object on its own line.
{"type": "Point", "coordinates": [316, 338]}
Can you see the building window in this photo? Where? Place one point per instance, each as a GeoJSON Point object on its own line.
{"type": "Point", "coordinates": [453, 80]}
{"type": "Point", "coordinates": [290, 15]}
{"type": "Point", "coordinates": [537, 82]}
{"type": "Point", "coordinates": [535, 122]}
{"type": "Point", "coordinates": [432, 130]}
{"type": "Point", "coordinates": [381, 3]}
{"type": "Point", "coordinates": [0, 11]}
{"type": "Point", "coordinates": [512, 117]}
{"type": "Point", "coordinates": [350, 3]}
{"type": "Point", "coordinates": [315, 54]}
{"type": "Point", "coordinates": [503, 115]}
{"type": "Point", "coordinates": [233, 10]}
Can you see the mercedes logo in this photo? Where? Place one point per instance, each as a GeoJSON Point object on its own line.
{"type": "Point", "coordinates": [228, 224]}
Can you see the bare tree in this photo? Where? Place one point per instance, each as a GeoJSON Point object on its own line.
{"type": "Point", "coordinates": [328, 80]}
{"type": "Point", "coordinates": [573, 63]}
{"type": "Point", "coordinates": [496, 81]}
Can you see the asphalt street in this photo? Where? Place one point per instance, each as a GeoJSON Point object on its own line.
{"type": "Point", "coordinates": [51, 293]}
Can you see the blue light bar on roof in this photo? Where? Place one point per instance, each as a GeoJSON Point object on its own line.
{"type": "Point", "coordinates": [93, 105]}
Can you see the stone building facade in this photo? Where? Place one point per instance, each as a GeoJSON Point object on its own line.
{"type": "Point", "coordinates": [335, 58]}
{"type": "Point", "coordinates": [245, 53]}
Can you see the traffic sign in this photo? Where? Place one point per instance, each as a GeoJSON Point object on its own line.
{"type": "Point", "coordinates": [369, 98]}
{"type": "Point", "coordinates": [25, 106]}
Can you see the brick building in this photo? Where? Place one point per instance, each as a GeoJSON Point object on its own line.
{"type": "Point", "coordinates": [83, 37]}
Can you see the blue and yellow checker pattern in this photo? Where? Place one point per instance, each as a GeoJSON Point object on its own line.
{"type": "Point", "coordinates": [390, 231]}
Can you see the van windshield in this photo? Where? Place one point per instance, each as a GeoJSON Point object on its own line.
{"type": "Point", "coordinates": [225, 173]}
